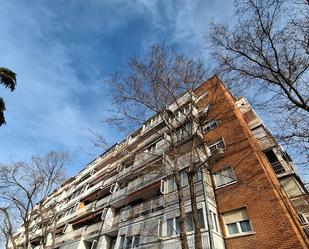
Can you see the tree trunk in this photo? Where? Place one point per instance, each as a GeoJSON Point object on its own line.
{"type": "Point", "coordinates": [26, 243]}
{"type": "Point", "coordinates": [196, 219]}
{"type": "Point", "coordinates": [182, 213]}
{"type": "Point", "coordinates": [12, 240]}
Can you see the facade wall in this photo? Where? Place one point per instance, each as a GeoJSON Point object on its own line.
{"type": "Point", "coordinates": [257, 187]}
{"type": "Point", "coordinates": [117, 197]}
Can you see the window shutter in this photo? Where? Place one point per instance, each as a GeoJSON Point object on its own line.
{"type": "Point", "coordinates": [236, 215]}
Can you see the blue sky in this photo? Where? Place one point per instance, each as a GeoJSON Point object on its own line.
{"type": "Point", "coordinates": [63, 50]}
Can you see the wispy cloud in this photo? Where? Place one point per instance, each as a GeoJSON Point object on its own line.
{"type": "Point", "coordinates": [61, 51]}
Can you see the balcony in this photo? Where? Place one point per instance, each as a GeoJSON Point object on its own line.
{"type": "Point", "coordinates": [110, 226]}
{"type": "Point", "coordinates": [301, 203]}
{"type": "Point", "coordinates": [150, 124]}
{"type": "Point", "coordinates": [143, 208]}
{"type": "Point", "coordinates": [92, 230]}
{"type": "Point", "coordinates": [282, 168]}
{"type": "Point", "coordinates": [266, 142]}
{"type": "Point", "coordinates": [102, 202]}
{"type": "Point", "coordinates": [172, 197]}
{"type": "Point", "coordinates": [184, 99]}
{"type": "Point", "coordinates": [119, 197]}
{"type": "Point", "coordinates": [185, 160]}
{"type": "Point", "coordinates": [143, 181]}
{"type": "Point", "coordinates": [70, 236]}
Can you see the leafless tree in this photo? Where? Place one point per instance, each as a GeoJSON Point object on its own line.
{"type": "Point", "coordinates": [265, 50]}
{"type": "Point", "coordinates": [24, 190]}
{"type": "Point", "coordinates": [148, 86]}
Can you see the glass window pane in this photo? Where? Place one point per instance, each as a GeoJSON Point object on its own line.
{"type": "Point", "coordinates": [215, 222]}
{"type": "Point", "coordinates": [129, 242]}
{"type": "Point", "coordinates": [201, 216]}
{"type": "Point", "coordinates": [233, 229]}
{"type": "Point", "coordinates": [198, 176]}
{"type": "Point", "coordinates": [189, 222]}
{"type": "Point", "coordinates": [177, 228]}
{"type": "Point", "coordinates": [245, 226]}
{"type": "Point", "coordinates": [170, 185]}
{"type": "Point", "coordinates": [122, 239]}
{"type": "Point", "coordinates": [170, 228]}
{"type": "Point", "coordinates": [136, 241]}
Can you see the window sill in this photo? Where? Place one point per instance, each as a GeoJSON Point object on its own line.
{"type": "Point", "coordinates": [231, 183]}
{"type": "Point", "coordinates": [239, 235]}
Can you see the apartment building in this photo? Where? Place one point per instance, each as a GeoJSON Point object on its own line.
{"type": "Point", "coordinates": [248, 196]}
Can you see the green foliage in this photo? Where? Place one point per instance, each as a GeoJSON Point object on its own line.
{"type": "Point", "coordinates": [8, 79]}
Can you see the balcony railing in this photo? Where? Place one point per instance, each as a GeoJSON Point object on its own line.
{"type": "Point", "coordinates": [281, 167]}
{"type": "Point", "coordinates": [135, 185]}
{"type": "Point", "coordinates": [185, 160]}
{"type": "Point", "coordinates": [172, 198]}
{"type": "Point", "coordinates": [266, 142]}
{"type": "Point", "coordinates": [92, 230]}
{"type": "Point", "coordinates": [143, 208]}
{"type": "Point", "coordinates": [70, 236]}
{"type": "Point", "coordinates": [301, 203]}
{"type": "Point", "coordinates": [142, 181]}
{"type": "Point", "coordinates": [103, 202]}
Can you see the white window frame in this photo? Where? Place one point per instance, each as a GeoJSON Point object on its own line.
{"type": "Point", "coordinates": [240, 232]}
{"type": "Point", "coordinates": [210, 125]}
{"type": "Point", "coordinates": [124, 246]}
{"type": "Point", "coordinates": [174, 228]}
{"type": "Point", "coordinates": [221, 172]}
{"type": "Point", "coordinates": [237, 222]}
{"type": "Point", "coordinates": [215, 144]}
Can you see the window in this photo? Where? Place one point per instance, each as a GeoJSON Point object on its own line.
{"type": "Point", "coordinates": [189, 222]}
{"type": "Point", "coordinates": [170, 227]}
{"type": "Point", "coordinates": [237, 222]}
{"type": "Point", "coordinates": [173, 225]}
{"type": "Point", "coordinates": [217, 145]}
{"type": "Point", "coordinates": [210, 125]}
{"type": "Point", "coordinates": [214, 221]}
{"type": "Point", "coordinates": [198, 176]}
{"type": "Point", "coordinates": [224, 177]}
{"type": "Point", "coordinates": [129, 242]}
{"type": "Point", "coordinates": [171, 185]}
{"type": "Point", "coordinates": [183, 178]}
{"type": "Point", "coordinates": [201, 216]}
{"type": "Point", "coordinates": [183, 132]}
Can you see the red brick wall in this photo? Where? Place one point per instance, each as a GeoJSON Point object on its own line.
{"type": "Point", "coordinates": [257, 187]}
